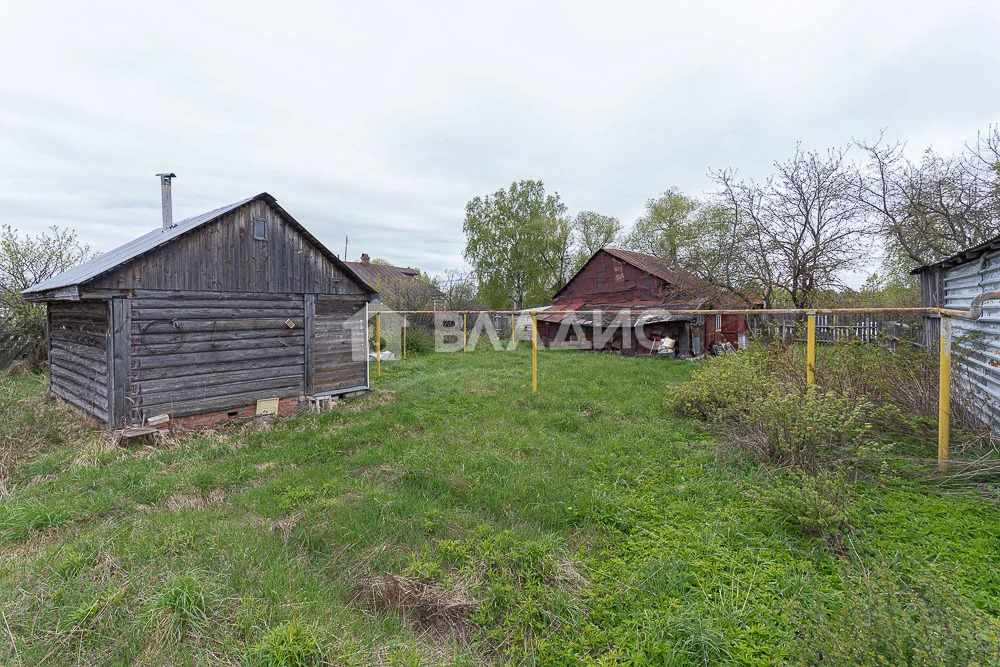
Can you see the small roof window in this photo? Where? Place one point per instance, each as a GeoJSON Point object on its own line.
{"type": "Point", "coordinates": [259, 229]}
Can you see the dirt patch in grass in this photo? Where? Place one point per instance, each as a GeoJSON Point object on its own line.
{"type": "Point", "coordinates": [284, 527]}
{"type": "Point", "coordinates": [385, 473]}
{"type": "Point", "coordinates": [429, 607]}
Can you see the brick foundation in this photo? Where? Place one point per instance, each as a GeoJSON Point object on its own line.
{"type": "Point", "coordinates": [287, 407]}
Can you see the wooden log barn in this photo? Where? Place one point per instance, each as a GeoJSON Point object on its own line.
{"type": "Point", "coordinates": [614, 280]}
{"type": "Point", "coordinates": [206, 320]}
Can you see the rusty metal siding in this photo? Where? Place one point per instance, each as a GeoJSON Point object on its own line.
{"type": "Point", "coordinates": [608, 281]}
{"type": "Point", "coordinates": [977, 342]}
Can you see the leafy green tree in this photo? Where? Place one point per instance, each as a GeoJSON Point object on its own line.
{"type": "Point", "coordinates": [701, 237]}
{"type": "Point", "coordinates": [517, 241]}
{"type": "Point", "coordinates": [593, 231]}
{"type": "Point", "coordinates": [668, 228]}
{"type": "Point", "coordinates": [26, 261]}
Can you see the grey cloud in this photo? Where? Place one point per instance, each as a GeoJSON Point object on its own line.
{"type": "Point", "coordinates": [379, 122]}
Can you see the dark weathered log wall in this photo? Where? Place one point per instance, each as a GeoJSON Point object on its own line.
{"type": "Point", "coordinates": [78, 357]}
{"type": "Point", "coordinates": [224, 256]}
{"type": "Point", "coordinates": [192, 353]}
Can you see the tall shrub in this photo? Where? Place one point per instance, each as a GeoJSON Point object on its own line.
{"type": "Point", "coordinates": [24, 262]}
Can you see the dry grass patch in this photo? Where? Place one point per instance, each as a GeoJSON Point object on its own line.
{"type": "Point", "coordinates": [189, 501]}
{"type": "Point", "coordinates": [373, 398]}
{"type": "Point", "coordinates": [284, 527]}
{"type": "Point", "coordinates": [385, 473]}
{"type": "Point", "coordinates": [37, 544]}
{"type": "Point", "coordinates": [428, 606]}
{"type": "Point", "coordinates": [568, 575]}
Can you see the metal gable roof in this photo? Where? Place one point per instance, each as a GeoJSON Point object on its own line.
{"type": "Point", "coordinates": [657, 266]}
{"type": "Point", "coordinates": [134, 248]}
{"type": "Point", "coordinates": [114, 258]}
{"type": "Point", "coordinates": [376, 273]}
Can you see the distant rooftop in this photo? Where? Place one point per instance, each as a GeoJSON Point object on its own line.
{"type": "Point", "coordinates": [376, 273]}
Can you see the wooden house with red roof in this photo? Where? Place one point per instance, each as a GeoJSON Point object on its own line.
{"type": "Point", "coordinates": [618, 284]}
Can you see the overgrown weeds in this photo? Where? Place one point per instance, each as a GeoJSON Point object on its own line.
{"type": "Point", "coordinates": [819, 503]}
{"type": "Point", "coordinates": [31, 423]}
{"type": "Point", "coordinates": [883, 619]}
{"type": "Point", "coordinates": [868, 402]}
{"type": "Point", "coordinates": [293, 643]}
{"type": "Point", "coordinates": [580, 525]}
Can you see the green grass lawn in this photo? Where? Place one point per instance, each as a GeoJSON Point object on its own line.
{"type": "Point", "coordinates": [453, 517]}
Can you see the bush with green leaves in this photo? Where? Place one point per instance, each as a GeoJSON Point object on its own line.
{"type": "Point", "coordinates": [725, 388]}
{"type": "Point", "coordinates": [789, 428]}
{"type": "Point", "coordinates": [418, 341]}
{"type": "Point", "coordinates": [883, 620]}
{"type": "Point", "coordinates": [819, 504]}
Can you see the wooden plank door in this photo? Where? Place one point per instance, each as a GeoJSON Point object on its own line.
{"type": "Point", "coordinates": [340, 346]}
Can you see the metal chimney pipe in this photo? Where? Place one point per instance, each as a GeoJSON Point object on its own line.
{"type": "Point", "coordinates": [168, 207]}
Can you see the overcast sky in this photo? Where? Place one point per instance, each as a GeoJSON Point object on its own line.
{"type": "Point", "coordinates": [379, 121]}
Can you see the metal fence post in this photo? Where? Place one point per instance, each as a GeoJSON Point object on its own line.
{"type": "Point", "coordinates": [811, 348]}
{"type": "Point", "coordinates": [944, 391]}
{"type": "Point", "coordinates": [534, 353]}
{"type": "Point", "coordinates": [404, 336]}
{"type": "Point", "coordinates": [512, 342]}
{"type": "Point", "coordinates": [378, 343]}
{"type": "Point", "coordinates": [465, 328]}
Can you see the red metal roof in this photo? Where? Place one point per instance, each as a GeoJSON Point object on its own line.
{"type": "Point", "coordinates": [658, 266]}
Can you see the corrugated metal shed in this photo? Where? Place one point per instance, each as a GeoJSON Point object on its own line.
{"type": "Point", "coordinates": [977, 341]}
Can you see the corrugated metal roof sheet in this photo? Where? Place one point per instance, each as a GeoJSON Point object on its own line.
{"type": "Point", "coordinates": [134, 248]}
{"type": "Point", "coordinates": [605, 315]}
{"type": "Point", "coordinates": [964, 255]}
{"type": "Point", "coordinates": [114, 258]}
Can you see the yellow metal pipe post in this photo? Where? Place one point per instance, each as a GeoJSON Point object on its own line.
{"type": "Point", "coordinates": [378, 344]}
{"type": "Point", "coordinates": [944, 392]}
{"type": "Point", "coordinates": [465, 331]}
{"type": "Point", "coordinates": [534, 353]}
{"type": "Point", "coordinates": [811, 348]}
{"type": "Point", "coordinates": [404, 336]}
